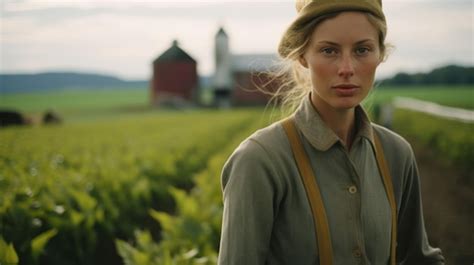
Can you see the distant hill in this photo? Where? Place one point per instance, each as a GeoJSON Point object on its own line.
{"type": "Point", "coordinates": [446, 75]}
{"type": "Point", "coordinates": [52, 81]}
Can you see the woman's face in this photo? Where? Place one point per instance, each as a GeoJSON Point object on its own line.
{"type": "Point", "coordinates": [342, 57]}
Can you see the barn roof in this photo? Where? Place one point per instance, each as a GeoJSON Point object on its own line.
{"type": "Point", "coordinates": [174, 54]}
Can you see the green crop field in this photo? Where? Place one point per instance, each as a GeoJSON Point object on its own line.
{"type": "Point", "coordinates": [121, 181]}
{"type": "Point", "coordinates": [73, 105]}
{"type": "Point", "coordinates": [461, 97]}
{"type": "Point", "coordinates": [74, 99]}
{"type": "Point", "coordinates": [86, 184]}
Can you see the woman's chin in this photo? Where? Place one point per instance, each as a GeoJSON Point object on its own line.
{"type": "Point", "coordinates": [345, 103]}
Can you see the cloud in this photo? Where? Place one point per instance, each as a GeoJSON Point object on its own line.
{"type": "Point", "coordinates": [176, 8]}
{"type": "Point", "coordinates": [128, 41]}
{"type": "Point", "coordinates": [429, 33]}
{"type": "Point", "coordinates": [124, 37]}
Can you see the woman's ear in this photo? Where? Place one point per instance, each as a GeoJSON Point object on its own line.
{"type": "Point", "coordinates": [303, 61]}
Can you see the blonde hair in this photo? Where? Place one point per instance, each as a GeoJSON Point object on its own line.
{"type": "Point", "coordinates": [294, 79]}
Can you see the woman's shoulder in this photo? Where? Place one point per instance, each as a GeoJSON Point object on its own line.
{"type": "Point", "coordinates": [257, 158]}
{"type": "Point", "coordinates": [263, 144]}
{"type": "Point", "coordinates": [269, 135]}
{"type": "Point", "coordinates": [394, 145]}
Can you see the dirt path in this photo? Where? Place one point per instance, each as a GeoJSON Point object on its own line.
{"type": "Point", "coordinates": [448, 203]}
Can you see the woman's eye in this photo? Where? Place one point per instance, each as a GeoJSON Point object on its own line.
{"type": "Point", "coordinates": [328, 51]}
{"type": "Point", "coordinates": [362, 50]}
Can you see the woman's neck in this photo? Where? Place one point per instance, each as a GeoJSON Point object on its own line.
{"type": "Point", "coordinates": [340, 121]}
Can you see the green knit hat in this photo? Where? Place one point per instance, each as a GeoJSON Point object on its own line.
{"type": "Point", "coordinates": [311, 9]}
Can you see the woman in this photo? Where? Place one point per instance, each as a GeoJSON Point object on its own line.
{"type": "Point", "coordinates": [356, 199]}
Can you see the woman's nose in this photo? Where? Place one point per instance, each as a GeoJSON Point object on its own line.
{"type": "Point", "coordinates": [346, 66]}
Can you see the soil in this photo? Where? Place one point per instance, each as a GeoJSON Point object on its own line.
{"type": "Point", "coordinates": [448, 205]}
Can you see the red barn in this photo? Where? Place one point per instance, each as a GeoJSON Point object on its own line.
{"type": "Point", "coordinates": [174, 76]}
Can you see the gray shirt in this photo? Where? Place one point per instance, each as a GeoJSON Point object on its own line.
{"type": "Point", "coordinates": [267, 217]}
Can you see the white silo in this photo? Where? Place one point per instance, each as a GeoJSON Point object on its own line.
{"type": "Point", "coordinates": [223, 71]}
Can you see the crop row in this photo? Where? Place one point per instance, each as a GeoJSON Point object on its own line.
{"type": "Point", "coordinates": [452, 140]}
{"type": "Point", "coordinates": [190, 236]}
{"type": "Point", "coordinates": [76, 188]}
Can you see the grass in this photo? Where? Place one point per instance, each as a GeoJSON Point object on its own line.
{"type": "Point", "coordinates": [74, 100]}
{"type": "Point", "coordinates": [78, 105]}
{"type": "Point", "coordinates": [457, 96]}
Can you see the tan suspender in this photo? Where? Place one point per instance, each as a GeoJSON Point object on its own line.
{"type": "Point", "coordinates": [321, 226]}
{"type": "Point", "coordinates": [314, 196]}
{"type": "Point", "coordinates": [387, 181]}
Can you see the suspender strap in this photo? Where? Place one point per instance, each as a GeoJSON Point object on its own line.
{"type": "Point", "coordinates": [312, 192]}
{"type": "Point", "coordinates": [314, 195]}
{"type": "Point", "coordinates": [387, 180]}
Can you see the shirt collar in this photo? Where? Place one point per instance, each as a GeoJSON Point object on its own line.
{"type": "Point", "coordinates": [319, 135]}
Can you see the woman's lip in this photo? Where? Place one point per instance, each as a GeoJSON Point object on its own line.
{"type": "Point", "coordinates": [346, 90]}
{"type": "Point", "coordinates": [345, 86]}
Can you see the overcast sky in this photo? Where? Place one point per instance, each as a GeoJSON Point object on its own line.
{"type": "Point", "coordinates": [122, 37]}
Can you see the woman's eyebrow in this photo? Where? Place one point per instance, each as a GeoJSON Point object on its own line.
{"type": "Point", "coordinates": [328, 42]}
{"type": "Point", "coordinates": [337, 44]}
{"type": "Point", "coordinates": [365, 40]}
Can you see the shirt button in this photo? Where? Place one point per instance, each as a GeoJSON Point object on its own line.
{"type": "Point", "coordinates": [357, 253]}
{"type": "Point", "coordinates": [352, 189]}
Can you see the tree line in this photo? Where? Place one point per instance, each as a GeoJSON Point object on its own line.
{"type": "Point", "coordinates": [446, 75]}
